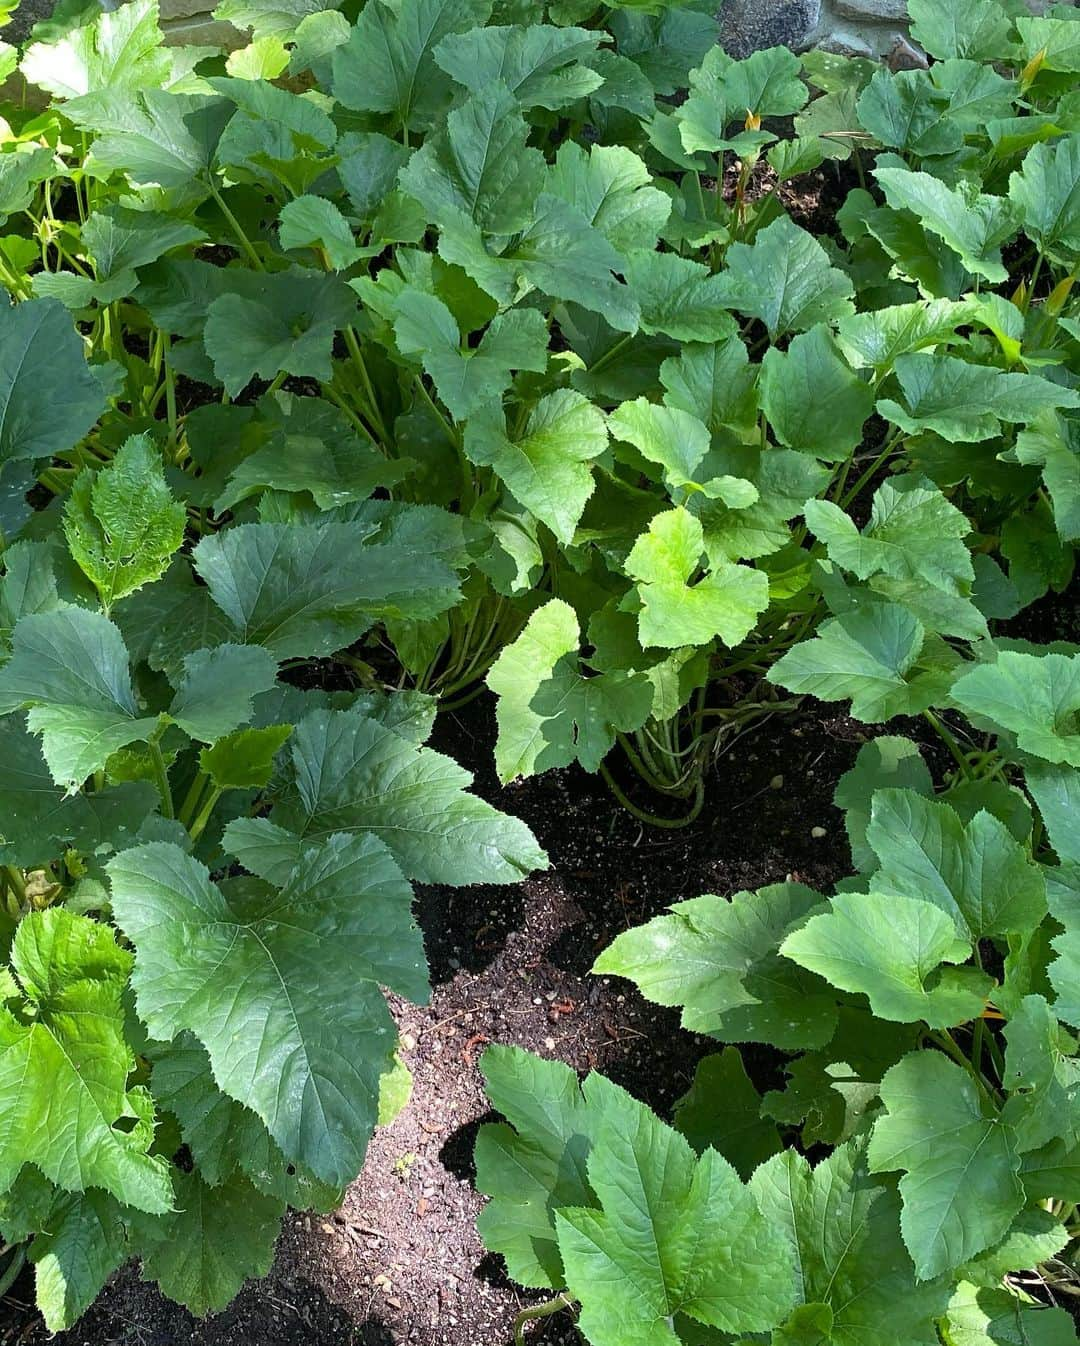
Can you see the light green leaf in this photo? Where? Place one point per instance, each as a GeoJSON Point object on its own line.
{"type": "Point", "coordinates": [49, 398]}
{"type": "Point", "coordinates": [874, 340]}
{"type": "Point", "coordinates": [891, 949]}
{"type": "Point", "coordinates": [71, 668]}
{"type": "Point", "coordinates": [353, 774]}
{"type": "Point", "coordinates": [713, 382]}
{"type": "Point", "coordinates": [914, 533]}
{"type": "Point", "coordinates": [64, 1065]}
{"type": "Point", "coordinates": [122, 524]}
{"type": "Point", "coordinates": [679, 297]}
{"type": "Point", "coordinates": [974, 225]}
{"type": "Point", "coordinates": [244, 759]}
{"type": "Point", "coordinates": [282, 988]}
{"type": "Point", "coordinates": [1041, 1075]}
{"type": "Point", "coordinates": [1047, 192]}
{"type": "Point", "coordinates": [265, 58]}
{"type": "Point", "coordinates": [961, 1186]}
{"type": "Point", "coordinates": [812, 398]}
{"type": "Point", "coordinates": [977, 29]}
{"type": "Point", "coordinates": [1053, 443]}
{"type": "Point", "coordinates": [155, 138]}
{"type": "Point", "coordinates": [723, 90]}
{"type": "Point", "coordinates": [611, 187]}
{"type": "Point", "coordinates": [1035, 697]}
{"type": "Point", "coordinates": [119, 49]}
{"type": "Point", "coordinates": [467, 378]}
{"type": "Point", "coordinates": [724, 603]}
{"type": "Point", "coordinates": [1058, 39]}
{"type": "Point", "coordinates": [994, 1317]}
{"type": "Point", "coordinates": [679, 442]}
{"type": "Point", "coordinates": [720, 960]}
{"type": "Point", "coordinates": [872, 656]}
{"type": "Point", "coordinates": [547, 466]}
{"type": "Point", "coordinates": [785, 279]}
{"type": "Point", "coordinates": [540, 64]}
{"type": "Point", "coordinates": [674, 1235]}
{"type": "Point", "coordinates": [844, 1234]}
{"type": "Point", "coordinates": [888, 762]}
{"type": "Point", "coordinates": [217, 1238]}
{"type": "Point", "coordinates": [83, 1243]}
{"type": "Point", "coordinates": [548, 713]}
{"type": "Point", "coordinates": [313, 222]}
{"type": "Point", "coordinates": [217, 689]}
{"type": "Point", "coordinates": [479, 169]}
{"type": "Point", "coordinates": [536, 1164]}
{"type": "Point", "coordinates": [388, 63]}
{"type": "Point", "coordinates": [976, 872]}
{"type": "Point", "coordinates": [906, 112]}
{"type": "Point", "coordinates": [965, 402]}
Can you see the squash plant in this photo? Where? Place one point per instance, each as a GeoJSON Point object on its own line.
{"type": "Point", "coordinates": [524, 256]}
{"type": "Point", "coordinates": [915, 1178]}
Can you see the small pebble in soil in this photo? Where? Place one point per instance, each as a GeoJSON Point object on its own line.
{"type": "Point", "coordinates": [777, 783]}
{"type": "Point", "coordinates": [818, 832]}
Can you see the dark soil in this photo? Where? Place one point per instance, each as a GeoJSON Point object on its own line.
{"type": "Point", "coordinates": [401, 1261]}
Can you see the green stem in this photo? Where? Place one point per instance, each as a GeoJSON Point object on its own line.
{"type": "Point", "coordinates": [198, 827]}
{"type": "Point", "coordinates": [652, 819]}
{"type": "Point", "coordinates": [945, 1040]}
{"type": "Point", "coordinates": [10, 1274]}
{"type": "Point", "coordinates": [170, 389]}
{"type": "Point", "coordinates": [538, 1311]}
{"type": "Point", "coordinates": [191, 799]}
{"type": "Point", "coordinates": [15, 881]}
{"type": "Point", "coordinates": [950, 742]}
{"type": "Point", "coordinates": [234, 224]}
{"type": "Point", "coordinates": [352, 343]}
{"type": "Point", "coordinates": [871, 471]}
{"type": "Point", "coordinates": [161, 778]}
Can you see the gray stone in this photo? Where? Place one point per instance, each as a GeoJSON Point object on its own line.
{"type": "Point", "coordinates": [749, 25]}
{"type": "Point", "coordinates": [846, 42]}
{"type": "Point", "coordinates": [873, 11]}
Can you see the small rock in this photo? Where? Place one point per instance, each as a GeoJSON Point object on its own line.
{"type": "Point", "coordinates": [549, 1043]}
{"type": "Point", "coordinates": [873, 11]}
{"type": "Point", "coordinates": [777, 783]}
{"type": "Point", "coordinates": [906, 55]}
{"type": "Point", "coordinates": [843, 42]}
{"type": "Point", "coordinates": [750, 25]}
{"type": "Point", "coordinates": [818, 832]}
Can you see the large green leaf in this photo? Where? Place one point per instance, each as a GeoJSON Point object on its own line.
{"type": "Point", "coordinates": [388, 64]}
{"type": "Point", "coordinates": [308, 589]}
{"type": "Point", "coordinates": [536, 1164]}
{"type": "Point", "coordinates": [540, 64]}
{"type": "Point", "coordinates": [1053, 443]}
{"type": "Point", "coordinates": [876, 655]}
{"type": "Point", "coordinates": [976, 871]}
{"type": "Point", "coordinates": [961, 1185]}
{"type": "Point", "coordinates": [722, 1111]}
{"type": "Point", "coordinates": [1047, 191]}
{"type": "Point", "coordinates": [120, 49]}
{"type": "Point", "coordinates": [843, 1229]}
{"type": "Point", "coordinates": [891, 949]}
{"type": "Point", "coordinates": [723, 90]}
{"type": "Point", "coordinates": [967, 402]}
{"type": "Point", "coordinates": [49, 398]}
{"type": "Point", "coordinates": [613, 190]}
{"type": "Point", "coordinates": [679, 442]}
{"type": "Point", "coordinates": [549, 714]}
{"type": "Point", "coordinates": [83, 1243]}
{"type": "Point", "coordinates": [350, 773]}
{"type": "Point", "coordinates": [874, 340]}
{"type": "Point", "coordinates": [785, 279]}
{"type": "Point", "coordinates": [996, 1317]}
{"type": "Point", "coordinates": [547, 465]}
{"type": "Point", "coordinates": [812, 398]}
{"type": "Point", "coordinates": [217, 1238]}
{"type": "Point", "coordinates": [676, 609]}
{"type": "Point", "coordinates": [64, 1065]}
{"type": "Point", "coordinates": [467, 378]}
{"type": "Point", "coordinates": [680, 297]}
{"type": "Point", "coordinates": [1034, 696]}
{"type": "Point", "coordinates": [281, 987]}
{"type": "Point", "coordinates": [720, 960]}
{"type": "Point", "coordinates": [914, 533]}
{"type": "Point", "coordinates": [70, 667]}
{"type": "Point", "coordinates": [906, 112]}
{"type": "Point", "coordinates": [674, 1234]}
{"type": "Point", "coordinates": [122, 524]}
{"type": "Point", "coordinates": [977, 29]}
{"type": "Point", "coordinates": [973, 224]}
